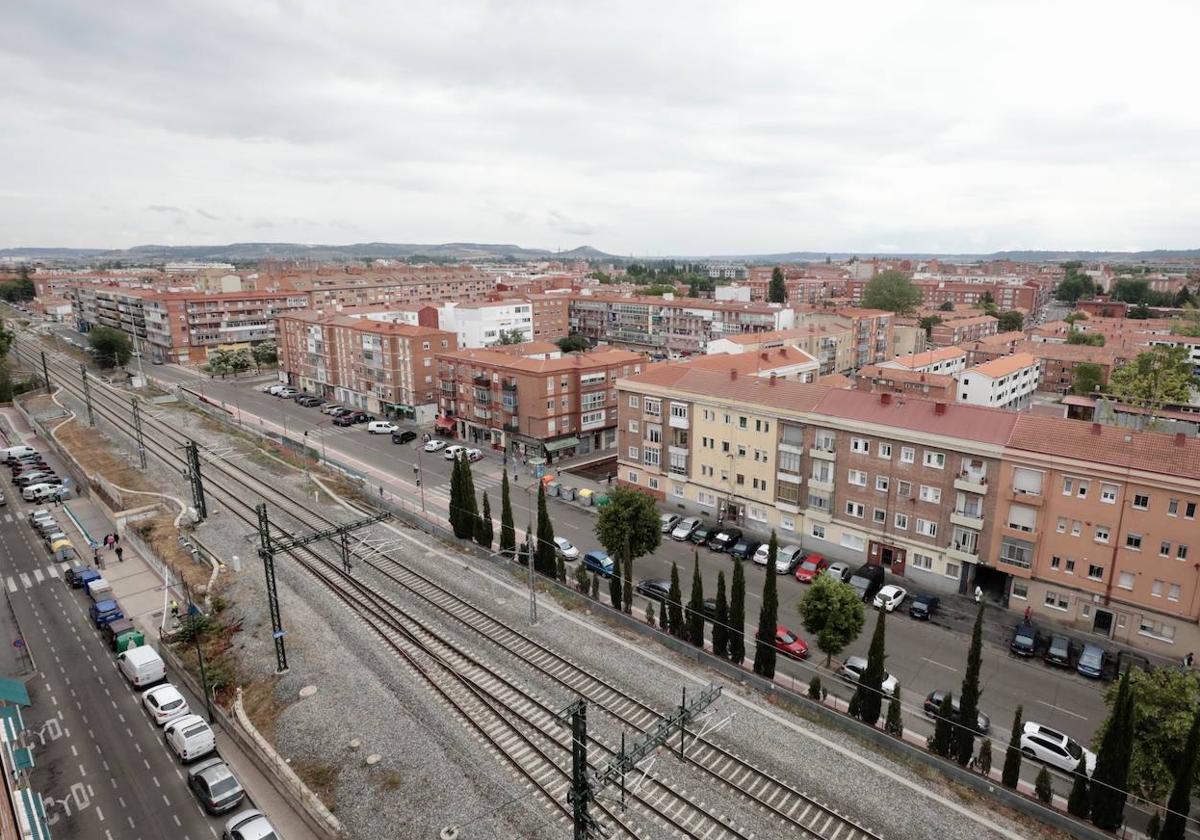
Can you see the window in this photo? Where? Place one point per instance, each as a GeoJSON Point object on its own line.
{"type": "Point", "coordinates": [1068, 486]}
{"type": "Point", "coordinates": [1020, 589]}
{"type": "Point", "coordinates": [937, 460]}
{"type": "Point", "coordinates": [706, 470]}
{"type": "Point", "coordinates": [741, 480]}
{"type": "Point", "coordinates": [1022, 518]}
{"type": "Point", "coordinates": [653, 482]}
{"type": "Point", "coordinates": [679, 412]}
{"type": "Point", "coordinates": [930, 494]}
{"type": "Point", "coordinates": [757, 514]}
{"type": "Point", "coordinates": [677, 490]}
{"type": "Point", "coordinates": [785, 491]}
{"type": "Point", "coordinates": [763, 426]}
{"type": "Point", "coordinates": [678, 462]}
{"type": "Point", "coordinates": [1133, 542]}
{"type": "Point", "coordinates": [709, 415]}
{"type": "Point", "coordinates": [907, 455]}
{"type": "Point", "coordinates": [884, 450]}
{"type": "Point", "coordinates": [881, 483]}
{"type": "Point", "coordinates": [1083, 490]}
{"type": "Point", "coordinates": [1070, 567]}
{"type": "Point", "coordinates": [653, 406]}
{"type": "Point", "coordinates": [952, 570]}
{"type": "Point", "coordinates": [1150, 627]}
{"type": "Point", "coordinates": [1095, 572]}
{"type": "Point", "coordinates": [904, 488]}
{"type": "Point", "coordinates": [1028, 482]}
{"type": "Point", "coordinates": [633, 453]}
{"type": "Point", "coordinates": [861, 445]}
{"type": "Point", "coordinates": [632, 477]}
{"type": "Point", "coordinates": [1062, 525]}
{"type": "Point", "coordinates": [1076, 528]}
{"type": "Point", "coordinates": [743, 423]}
{"type": "Point", "coordinates": [653, 433]}
{"type": "Point", "coordinates": [1189, 511]}
{"type": "Point", "coordinates": [1108, 493]}
{"type": "Point", "coordinates": [707, 499]}
{"type": "Point", "coordinates": [926, 528]}
{"type": "Point", "coordinates": [853, 542]}
{"type": "Point", "coordinates": [1157, 589]}
{"type": "Point", "coordinates": [1173, 507]}
{"type": "Point", "coordinates": [1164, 549]}
{"type": "Point", "coordinates": [741, 451]}
{"type": "Point", "coordinates": [1055, 562]}
{"type": "Point", "coordinates": [787, 523]}
{"type": "Point", "coordinates": [652, 456]}
{"type": "Point", "coordinates": [633, 426]}
{"type": "Point", "coordinates": [1017, 553]}
{"type": "Point", "coordinates": [1125, 581]}
{"type": "Point", "coordinates": [855, 509]}
{"type": "Point", "coordinates": [1057, 600]}
{"type": "Point", "coordinates": [817, 530]}
{"type": "Point", "coordinates": [1141, 501]}
{"type": "Point", "coordinates": [1181, 551]}
{"type": "Point", "coordinates": [1173, 592]}
{"type": "Point", "coordinates": [857, 477]}
{"type": "Point", "coordinates": [789, 462]}
{"type": "Point", "coordinates": [879, 515]}
{"type": "Point", "coordinates": [922, 561]}
{"type": "Point", "coordinates": [1101, 533]}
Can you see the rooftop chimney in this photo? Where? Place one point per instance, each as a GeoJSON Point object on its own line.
{"type": "Point", "coordinates": [885, 398]}
{"type": "Point", "coordinates": [939, 408]}
{"type": "Point", "coordinates": [733, 373]}
{"type": "Point", "coordinates": [773, 378]}
{"type": "Point", "coordinates": [1180, 439]}
{"type": "Point", "coordinates": [765, 356]}
{"type": "Point", "coordinates": [1095, 428]}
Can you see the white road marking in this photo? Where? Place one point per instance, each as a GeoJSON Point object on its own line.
{"type": "Point", "coordinates": [12, 584]}
{"type": "Point", "coordinates": [939, 664]}
{"type": "Point", "coordinates": [1060, 709]}
{"type": "Point", "coordinates": [37, 575]}
{"type": "Point", "coordinates": [25, 581]}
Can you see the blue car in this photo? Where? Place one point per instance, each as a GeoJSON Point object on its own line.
{"type": "Point", "coordinates": [599, 562]}
{"type": "Point", "coordinates": [1091, 661]}
{"type": "Point", "coordinates": [105, 612]}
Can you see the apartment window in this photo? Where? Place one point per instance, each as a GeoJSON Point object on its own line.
{"type": "Point", "coordinates": [743, 423]}
{"type": "Point", "coordinates": [757, 514]}
{"type": "Point", "coordinates": [1181, 552]}
{"type": "Point", "coordinates": [633, 453]}
{"type": "Point", "coordinates": [1027, 482]}
{"type": "Point", "coordinates": [677, 491]}
{"type": "Point", "coordinates": [1068, 486]}
{"type": "Point", "coordinates": [652, 482]}
{"type": "Point", "coordinates": [741, 451]}
{"type": "Point", "coordinates": [787, 492]}
{"type": "Point", "coordinates": [633, 426]}
{"type": "Point", "coordinates": [1189, 510]}
{"type": "Point", "coordinates": [632, 477]}
{"type": "Point", "coordinates": [1062, 525]}
{"type": "Point", "coordinates": [879, 515]}
{"type": "Point", "coordinates": [1101, 533]}
{"type": "Point", "coordinates": [679, 412]}
{"type": "Point", "coordinates": [1076, 528]}
{"type": "Point", "coordinates": [952, 570]}
{"type": "Point", "coordinates": [759, 484]}
{"type": "Point", "coordinates": [728, 420]}
{"type": "Point", "coordinates": [634, 402]}
{"type": "Point", "coordinates": [763, 426]}
{"type": "Point", "coordinates": [1125, 581]}
{"type": "Point", "coordinates": [855, 509]}
{"type": "Point", "coordinates": [1016, 553]}
{"type": "Point", "coordinates": [1057, 600]}
{"type": "Point", "coordinates": [937, 460]}
{"type": "Point", "coordinates": [1083, 490]}
{"type": "Point", "coordinates": [907, 455]}
{"type": "Point", "coordinates": [1070, 567]}
{"type": "Point", "coordinates": [1157, 629]}
{"type": "Point", "coordinates": [706, 470]}
{"type": "Point", "coordinates": [1133, 541]}
{"type": "Point", "coordinates": [789, 462]}
{"type": "Point", "coordinates": [861, 445]}
{"type": "Point", "coordinates": [1173, 507]}
{"type": "Point", "coordinates": [709, 415]}
{"type": "Point", "coordinates": [787, 523]}
{"type": "Point", "coordinates": [853, 542]}
{"type": "Point", "coordinates": [1157, 588]}
{"type": "Point", "coordinates": [904, 488]}
{"type": "Point", "coordinates": [930, 494]}
{"type": "Point", "coordinates": [652, 456]}
{"type": "Point", "coordinates": [1141, 501]}
{"type": "Point", "coordinates": [706, 499]}
{"type": "Point", "coordinates": [1055, 562]}
{"type": "Point", "coordinates": [857, 477]}
{"type": "Point", "coordinates": [725, 446]}
{"type": "Point", "coordinates": [1108, 493]}
{"type": "Point", "coordinates": [740, 480]}
{"type": "Point", "coordinates": [881, 483]}
{"type": "Point", "coordinates": [1095, 572]}
{"type": "Point", "coordinates": [884, 450]}
{"type": "Point", "coordinates": [1020, 590]}
{"type": "Point", "coordinates": [926, 528]}
{"type": "Point", "coordinates": [922, 561]}
{"type": "Point", "coordinates": [902, 521]}
{"type": "Point", "coordinates": [1164, 549]}
{"type": "Point", "coordinates": [653, 407]}
{"type": "Point", "coordinates": [817, 530]}
{"type": "Point", "coordinates": [678, 462]}
{"type": "Point", "coordinates": [1173, 592]}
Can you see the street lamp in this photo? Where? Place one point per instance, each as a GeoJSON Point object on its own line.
{"type": "Point", "coordinates": [417, 476]}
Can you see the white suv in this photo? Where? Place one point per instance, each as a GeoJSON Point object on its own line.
{"type": "Point", "coordinates": [1051, 747]}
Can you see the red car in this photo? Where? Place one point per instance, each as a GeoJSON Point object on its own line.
{"type": "Point", "coordinates": [811, 566]}
{"type": "Point", "coordinates": [789, 644]}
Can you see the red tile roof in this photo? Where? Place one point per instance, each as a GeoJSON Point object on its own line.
{"type": "Point", "coordinates": [1111, 445]}
{"type": "Point", "coordinates": [965, 422]}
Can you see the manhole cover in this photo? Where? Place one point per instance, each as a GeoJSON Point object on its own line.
{"type": "Point", "coordinates": [308, 691]}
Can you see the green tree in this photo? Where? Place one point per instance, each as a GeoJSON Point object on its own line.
{"type": "Point", "coordinates": [484, 533]}
{"type": "Point", "coordinates": [111, 348]}
{"type": "Point", "coordinates": [508, 337]}
{"type": "Point", "coordinates": [628, 527]}
{"type": "Point", "coordinates": [582, 578]}
{"type": "Point", "coordinates": [6, 340]}
{"type": "Point", "coordinates": [1012, 756]}
{"type": "Point", "coordinates": [526, 549]}
{"type": "Point", "coordinates": [894, 723]}
{"type": "Point", "coordinates": [870, 684]}
{"type": "Point", "coordinates": [984, 762]}
{"type": "Point", "coordinates": [675, 603]}
{"type": "Point", "coordinates": [1110, 779]}
{"type": "Point", "coordinates": [1132, 290]}
{"type": "Point", "coordinates": [942, 742]}
{"type": "Point", "coordinates": [544, 551]}
{"type": "Point", "coordinates": [1073, 287]}
{"type": "Point", "coordinates": [458, 523]}
{"type": "Point", "coordinates": [832, 613]}
{"type": "Point", "coordinates": [1079, 802]}
{"type": "Point", "coordinates": [627, 582]}
{"type": "Point", "coordinates": [720, 629]}
{"type": "Point", "coordinates": [737, 614]}
{"type": "Point", "coordinates": [777, 292]}
{"type": "Point", "coordinates": [768, 616]}
{"type": "Point", "coordinates": [928, 323]}
{"type": "Point", "coordinates": [615, 587]}
{"type": "Point", "coordinates": [265, 353]}
{"type": "Point", "coordinates": [470, 513]}
{"type": "Point", "coordinates": [1093, 339]}
{"type": "Point", "coordinates": [695, 614]}
{"type": "Point", "coordinates": [1087, 378]}
{"type": "Point", "coordinates": [1161, 376]}
{"type": "Point", "coordinates": [1043, 787]}
{"type": "Point", "coordinates": [1011, 321]}
{"type": "Point", "coordinates": [968, 698]}
{"type": "Point", "coordinates": [947, 306]}
{"type": "Point", "coordinates": [573, 343]}
{"type": "Point", "coordinates": [1141, 312]}
{"type": "Point", "coordinates": [892, 291]}
{"type": "Point", "coordinates": [508, 534]}
{"type": "Point", "coordinates": [1179, 805]}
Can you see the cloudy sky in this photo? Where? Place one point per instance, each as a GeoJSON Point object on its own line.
{"type": "Point", "coordinates": [646, 128]}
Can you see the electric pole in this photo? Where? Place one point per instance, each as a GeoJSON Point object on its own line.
{"type": "Point", "coordinates": [137, 430]}
{"type": "Point", "coordinates": [197, 481]}
{"type": "Point", "coordinates": [45, 372]}
{"type": "Point", "coordinates": [87, 394]}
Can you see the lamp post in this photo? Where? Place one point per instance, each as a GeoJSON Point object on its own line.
{"type": "Point", "coordinates": [417, 475]}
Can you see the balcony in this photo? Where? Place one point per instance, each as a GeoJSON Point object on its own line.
{"type": "Point", "coordinates": [826, 450]}
{"type": "Point", "coordinates": [677, 422]}
{"type": "Point", "coordinates": [819, 508]}
{"type": "Point", "coordinates": [482, 380]}
{"type": "Point", "coordinates": [1024, 497]}
{"type": "Point", "coordinates": [509, 386]}
{"type": "Point", "coordinates": [971, 482]}
{"type": "Point", "coordinates": [963, 552]}
{"type": "Point", "coordinates": [968, 519]}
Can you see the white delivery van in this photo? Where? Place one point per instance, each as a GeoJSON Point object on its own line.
{"type": "Point", "coordinates": [99, 589]}
{"type": "Point", "coordinates": [142, 665]}
{"type": "Point", "coordinates": [189, 737]}
{"type": "Point", "coordinates": [381, 427]}
{"type": "Point", "coordinates": [16, 452]}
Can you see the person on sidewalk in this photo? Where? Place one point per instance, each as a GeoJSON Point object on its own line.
{"type": "Point", "coordinates": [978, 593]}
{"type": "Point", "coordinates": [119, 552]}
{"type": "Point", "coordinates": [116, 539]}
{"type": "Point", "coordinates": [174, 609]}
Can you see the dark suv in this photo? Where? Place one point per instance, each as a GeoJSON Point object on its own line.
{"type": "Point", "coordinates": [350, 418]}
{"type": "Point", "coordinates": [744, 548]}
{"type": "Point", "coordinates": [1024, 639]}
{"type": "Point", "coordinates": [867, 580]}
{"type": "Point", "coordinates": [404, 437]}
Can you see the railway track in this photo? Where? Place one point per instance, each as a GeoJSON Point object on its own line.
{"type": "Point", "coordinates": [791, 807]}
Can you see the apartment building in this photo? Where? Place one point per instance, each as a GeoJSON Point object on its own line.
{"type": "Point", "coordinates": [1190, 343]}
{"type": "Point", "coordinates": [942, 360]}
{"type": "Point", "coordinates": [1010, 293]}
{"type": "Point", "coordinates": [551, 319]}
{"type": "Point", "coordinates": [932, 386]}
{"type": "Point", "coordinates": [1057, 362]}
{"type": "Point", "coordinates": [484, 323]}
{"type": "Point", "coordinates": [413, 285]}
{"type": "Point", "coordinates": [830, 344]}
{"type": "Point", "coordinates": [533, 400]}
{"type": "Point", "coordinates": [1006, 382]}
{"type": "Point", "coordinates": [385, 367]}
{"type": "Point", "coordinates": [954, 331]}
{"type": "Point", "coordinates": [669, 326]}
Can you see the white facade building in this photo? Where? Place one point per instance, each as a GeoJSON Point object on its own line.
{"type": "Point", "coordinates": [1006, 382]}
{"type": "Point", "coordinates": [481, 323]}
{"type": "Point", "coordinates": [944, 360]}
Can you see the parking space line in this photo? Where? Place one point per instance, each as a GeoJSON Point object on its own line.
{"type": "Point", "coordinates": [1061, 709]}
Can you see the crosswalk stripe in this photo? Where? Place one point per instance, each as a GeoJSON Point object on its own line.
{"type": "Point", "coordinates": [8, 517]}
{"type": "Point", "coordinates": [37, 575]}
{"type": "Point", "coordinates": [12, 584]}
{"type": "Point", "coordinates": [25, 581]}
{"type": "Point", "coordinates": [51, 573]}
{"type": "Point", "coordinates": [62, 567]}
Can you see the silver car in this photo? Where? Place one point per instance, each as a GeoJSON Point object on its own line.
{"type": "Point", "coordinates": [684, 528]}
{"type": "Point", "coordinates": [215, 786]}
{"type": "Point", "coordinates": [249, 825]}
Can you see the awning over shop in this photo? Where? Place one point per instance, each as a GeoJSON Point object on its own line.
{"type": "Point", "coordinates": [445, 422]}
{"type": "Point", "coordinates": [561, 444]}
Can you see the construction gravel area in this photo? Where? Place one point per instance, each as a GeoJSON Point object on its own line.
{"type": "Point", "coordinates": [432, 772]}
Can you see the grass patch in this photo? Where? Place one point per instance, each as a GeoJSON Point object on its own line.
{"type": "Point", "coordinates": [262, 706]}
{"type": "Point", "coordinates": [391, 782]}
{"type": "Point", "coordinates": [321, 779]}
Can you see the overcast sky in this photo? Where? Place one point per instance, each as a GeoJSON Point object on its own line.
{"type": "Point", "coordinates": [646, 128]}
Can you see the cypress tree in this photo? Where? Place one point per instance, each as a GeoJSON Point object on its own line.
{"type": "Point", "coordinates": [1012, 756]}
{"type": "Point", "coordinates": [544, 553]}
{"type": "Point", "coordinates": [943, 732]}
{"type": "Point", "coordinates": [595, 587]}
{"type": "Point", "coordinates": [508, 534]}
{"type": "Point", "coordinates": [662, 616]}
{"type": "Point", "coordinates": [696, 605]}
{"type": "Point", "coordinates": [1079, 802]}
{"type": "Point", "coordinates": [560, 568]}
{"type": "Point", "coordinates": [720, 631]}
{"type": "Point", "coordinates": [968, 698]}
{"type": "Point", "coordinates": [526, 550]}
{"type": "Point", "coordinates": [1180, 802]}
{"type": "Point", "coordinates": [737, 614]}
{"type": "Point", "coordinates": [1111, 776]}
{"type": "Point", "coordinates": [894, 724]}
{"type": "Point", "coordinates": [870, 685]}
{"type": "Point", "coordinates": [777, 291]}
{"type": "Point", "coordinates": [650, 613]}
{"type": "Point", "coordinates": [768, 617]}
{"type": "Point", "coordinates": [1043, 787]}
{"type": "Point", "coordinates": [675, 603]}
{"type": "Point", "coordinates": [455, 513]}
{"type": "Point", "coordinates": [484, 533]}
{"type": "Point", "coordinates": [470, 513]}
{"type": "Point", "coordinates": [627, 576]}
{"type": "Point", "coordinates": [984, 763]}
{"type": "Point", "coordinates": [614, 586]}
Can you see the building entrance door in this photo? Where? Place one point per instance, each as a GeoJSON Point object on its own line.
{"type": "Point", "coordinates": [1102, 623]}
{"type": "Point", "coordinates": [890, 557]}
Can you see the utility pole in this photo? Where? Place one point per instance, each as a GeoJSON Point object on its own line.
{"type": "Point", "coordinates": [137, 431]}
{"type": "Point", "coordinates": [87, 394]}
{"type": "Point", "coordinates": [269, 547]}
{"type": "Point", "coordinates": [197, 481]}
{"type": "Point", "coordinates": [580, 795]}
{"type": "Point", "coordinates": [529, 557]}
{"type": "Point", "coordinates": [45, 372]}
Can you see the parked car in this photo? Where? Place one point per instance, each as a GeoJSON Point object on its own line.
{"type": "Point", "coordinates": [669, 521]}
{"type": "Point", "coordinates": [249, 825]}
{"type": "Point", "coordinates": [309, 401]}
{"type": "Point", "coordinates": [164, 702]}
{"type": "Point", "coordinates": [189, 737]}
{"type": "Point", "coordinates": [852, 671]}
{"type": "Point", "coordinates": [745, 548]}
{"type": "Point", "coordinates": [654, 588]}
{"type": "Point", "coordinates": [104, 612]}
{"type": "Point", "coordinates": [1058, 652]}
{"type": "Point", "coordinates": [381, 427]}
{"type": "Point", "coordinates": [787, 558]}
{"type": "Point", "coordinates": [349, 418]}
{"type": "Point", "coordinates": [684, 529]}
{"type": "Point", "coordinates": [923, 607]}
{"type": "Point", "coordinates": [810, 567]}
{"type": "Point", "coordinates": [789, 644]}
{"type": "Point", "coordinates": [434, 445]}
{"type": "Point", "coordinates": [286, 392]}
{"type": "Point", "coordinates": [453, 451]}
{"type": "Point", "coordinates": [933, 705]}
{"type": "Point", "coordinates": [867, 580]}
{"type": "Point", "coordinates": [564, 549]}
{"type": "Point", "coordinates": [889, 597]}
{"type": "Point", "coordinates": [599, 562]}
{"type": "Point", "coordinates": [333, 408]}
{"type": "Point", "coordinates": [215, 786]}
{"type": "Point", "coordinates": [725, 539]}
{"type": "Point", "coordinates": [31, 477]}
{"type": "Point", "coordinates": [760, 554]}
{"type": "Point", "coordinates": [474, 454]}
{"type": "Point", "coordinates": [1050, 746]}
{"type": "Point", "coordinates": [404, 437]}
{"type": "Point", "coordinates": [839, 571]}
{"type": "Point", "coordinates": [702, 535]}
{"type": "Point", "coordinates": [1092, 660]}
{"type": "Point", "coordinates": [47, 490]}
{"type": "Point", "coordinates": [274, 388]}
{"type": "Point", "coordinates": [1024, 640]}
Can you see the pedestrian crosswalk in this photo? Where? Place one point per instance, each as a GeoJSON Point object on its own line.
{"type": "Point", "coordinates": [26, 580]}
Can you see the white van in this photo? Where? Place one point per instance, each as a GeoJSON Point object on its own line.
{"type": "Point", "coordinates": [189, 737]}
{"type": "Point", "coordinates": [274, 390]}
{"type": "Point", "coordinates": [381, 427]}
{"type": "Point", "coordinates": [98, 590]}
{"type": "Point", "coordinates": [16, 452]}
{"type": "Point", "coordinates": [40, 491]}
{"type": "Point", "coordinates": [141, 665]}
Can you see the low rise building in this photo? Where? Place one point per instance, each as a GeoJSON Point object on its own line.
{"type": "Point", "coordinates": [1006, 382]}
{"type": "Point", "coordinates": [488, 322]}
{"type": "Point", "coordinates": [877, 379]}
{"type": "Point", "coordinates": [961, 330]}
{"type": "Point", "coordinates": [831, 344]}
{"type": "Point", "coordinates": [944, 360]}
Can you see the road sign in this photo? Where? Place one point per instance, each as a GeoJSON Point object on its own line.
{"type": "Point", "coordinates": [18, 643]}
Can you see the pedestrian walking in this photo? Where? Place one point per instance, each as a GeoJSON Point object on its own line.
{"type": "Point", "coordinates": [174, 609]}
{"type": "Point", "coordinates": [119, 552]}
{"type": "Point", "coordinates": [978, 594]}
{"type": "Point", "coordinates": [116, 539]}
{"type": "Point", "coordinates": [1028, 612]}
{"type": "Point", "coordinates": [1187, 660]}
{"type": "Point", "coordinates": [96, 557]}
